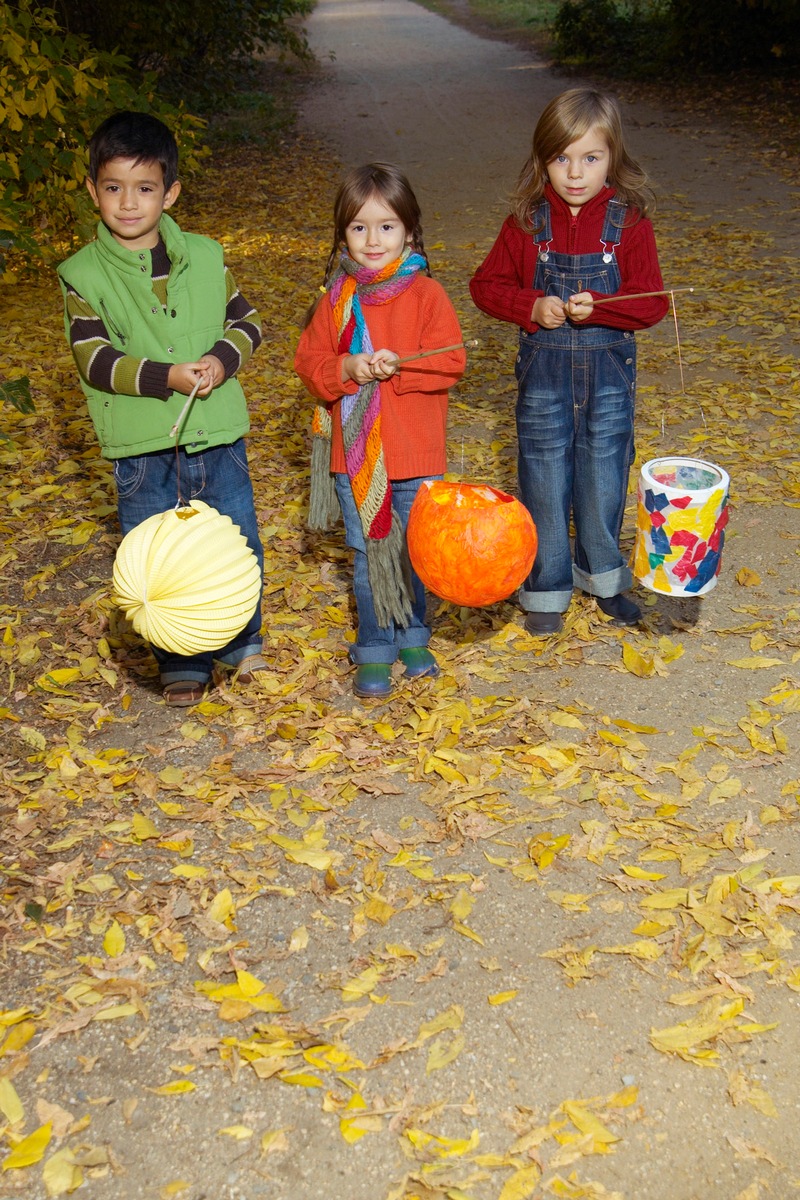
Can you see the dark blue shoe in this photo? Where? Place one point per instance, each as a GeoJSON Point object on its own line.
{"type": "Point", "coordinates": [540, 623]}
{"type": "Point", "coordinates": [417, 661]}
{"type": "Point", "coordinates": [373, 680]}
{"type": "Point", "coordinates": [620, 609]}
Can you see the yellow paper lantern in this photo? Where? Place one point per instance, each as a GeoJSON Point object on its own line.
{"type": "Point", "coordinates": [187, 580]}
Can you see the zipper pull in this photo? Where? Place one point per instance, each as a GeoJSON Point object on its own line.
{"type": "Point", "coordinates": [117, 332]}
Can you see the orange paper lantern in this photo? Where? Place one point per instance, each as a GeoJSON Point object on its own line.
{"type": "Point", "coordinates": [470, 543]}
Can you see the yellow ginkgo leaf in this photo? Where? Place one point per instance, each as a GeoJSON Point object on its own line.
{"type": "Point", "coordinates": [176, 1088]}
{"type": "Point", "coordinates": [143, 828]}
{"type": "Point", "coordinates": [442, 1053]}
{"type": "Point", "coordinates": [10, 1103]}
{"type": "Point", "coordinates": [30, 1150]}
{"type": "Point", "coordinates": [746, 577]}
{"type": "Point", "coordinates": [521, 1184]}
{"type": "Point", "coordinates": [240, 1133]}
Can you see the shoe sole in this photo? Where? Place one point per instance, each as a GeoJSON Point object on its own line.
{"type": "Point", "coordinates": [428, 672]}
{"type": "Point", "coordinates": [182, 699]}
{"type": "Point", "coordinates": [538, 632]}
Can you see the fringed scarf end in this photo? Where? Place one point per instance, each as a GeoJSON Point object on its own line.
{"type": "Point", "coordinates": [390, 576]}
{"type": "Point", "coordinates": [323, 506]}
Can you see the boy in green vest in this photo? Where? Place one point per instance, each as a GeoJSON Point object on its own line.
{"type": "Point", "coordinates": [150, 312]}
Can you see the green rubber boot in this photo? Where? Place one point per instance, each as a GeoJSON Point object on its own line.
{"type": "Point", "coordinates": [373, 679]}
{"type": "Point", "coordinates": [417, 661]}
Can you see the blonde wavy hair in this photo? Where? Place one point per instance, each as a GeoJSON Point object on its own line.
{"type": "Point", "coordinates": [565, 120]}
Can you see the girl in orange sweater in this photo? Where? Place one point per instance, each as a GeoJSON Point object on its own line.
{"type": "Point", "coordinates": [379, 427]}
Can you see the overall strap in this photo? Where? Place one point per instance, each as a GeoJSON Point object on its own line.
{"type": "Point", "coordinates": [616, 211]}
{"type": "Point", "coordinates": [542, 228]}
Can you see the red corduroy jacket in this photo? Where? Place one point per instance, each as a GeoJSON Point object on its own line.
{"type": "Point", "coordinates": [503, 285]}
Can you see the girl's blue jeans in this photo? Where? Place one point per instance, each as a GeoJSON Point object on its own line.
{"type": "Point", "coordinates": [148, 484]}
{"type": "Point", "coordinates": [575, 412]}
{"type": "Point", "coordinates": [375, 643]}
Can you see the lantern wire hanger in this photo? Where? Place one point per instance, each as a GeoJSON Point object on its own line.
{"type": "Point", "coordinates": [470, 344]}
{"type": "Point", "coordinates": [671, 293]}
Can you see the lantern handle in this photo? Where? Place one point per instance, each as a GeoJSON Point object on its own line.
{"type": "Point", "coordinates": [176, 427]}
{"type": "Point", "coordinates": [639, 295]}
{"type": "Point", "coordinates": [175, 432]}
{"type": "Point", "coordinates": [439, 350]}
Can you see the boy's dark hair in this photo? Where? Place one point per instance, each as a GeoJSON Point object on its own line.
{"type": "Point", "coordinates": [134, 135]}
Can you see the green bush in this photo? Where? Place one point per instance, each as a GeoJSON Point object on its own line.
{"type": "Point", "coordinates": [54, 91]}
{"type": "Point", "coordinates": [584, 32]}
{"type": "Point", "coordinates": [726, 34]}
{"type": "Point", "coordinates": [626, 37]}
{"type": "Point", "coordinates": [645, 37]}
{"type": "Point", "coordinates": [195, 47]}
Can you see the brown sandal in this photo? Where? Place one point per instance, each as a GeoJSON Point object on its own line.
{"type": "Point", "coordinates": [182, 693]}
{"type": "Point", "coordinates": [249, 667]}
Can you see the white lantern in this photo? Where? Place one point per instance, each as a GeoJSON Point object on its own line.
{"type": "Point", "coordinates": [186, 579]}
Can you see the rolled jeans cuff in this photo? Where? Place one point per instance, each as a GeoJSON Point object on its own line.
{"type": "Point", "coordinates": [604, 585]}
{"type": "Point", "coordinates": [177, 676]}
{"type": "Point", "coordinates": [359, 655]}
{"type": "Point", "coordinates": [544, 601]}
{"type": "Point", "coordinates": [234, 657]}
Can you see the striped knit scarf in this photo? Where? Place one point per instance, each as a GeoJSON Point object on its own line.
{"type": "Point", "coordinates": [352, 287]}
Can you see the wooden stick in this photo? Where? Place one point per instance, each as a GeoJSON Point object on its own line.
{"type": "Point", "coordinates": [439, 350]}
{"type": "Point", "coordinates": [641, 295]}
{"type": "Point", "coordinates": [173, 432]}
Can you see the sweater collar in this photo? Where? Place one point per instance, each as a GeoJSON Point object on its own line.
{"type": "Point", "coordinates": [130, 261]}
{"type": "Point", "coordinates": [598, 201]}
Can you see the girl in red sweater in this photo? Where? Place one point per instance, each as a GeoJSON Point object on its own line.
{"type": "Point", "coordinates": [578, 230]}
{"type": "Point", "coordinates": [380, 427]}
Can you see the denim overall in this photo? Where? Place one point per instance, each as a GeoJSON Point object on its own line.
{"type": "Point", "coordinates": [575, 410]}
{"type": "Point", "coordinates": [376, 643]}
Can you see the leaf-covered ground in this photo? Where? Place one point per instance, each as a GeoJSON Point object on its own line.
{"type": "Point", "coordinates": [525, 931]}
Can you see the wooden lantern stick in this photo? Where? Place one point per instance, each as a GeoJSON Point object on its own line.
{"type": "Point", "coordinates": [666, 292]}
{"type": "Point", "coordinates": [174, 431]}
{"type": "Point", "coordinates": [641, 295]}
{"type": "Point", "coordinates": [439, 350]}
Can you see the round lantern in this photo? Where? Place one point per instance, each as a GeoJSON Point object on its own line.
{"type": "Point", "coordinates": [186, 579]}
{"type": "Point", "coordinates": [470, 543]}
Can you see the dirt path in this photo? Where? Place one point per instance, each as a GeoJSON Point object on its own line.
{"type": "Point", "coordinates": [528, 931]}
{"type": "Point", "coordinates": [457, 112]}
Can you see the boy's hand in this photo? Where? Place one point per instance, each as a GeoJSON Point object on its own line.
{"type": "Point", "coordinates": [580, 306]}
{"type": "Point", "coordinates": [549, 312]}
{"type": "Point", "coordinates": [214, 370]}
{"type": "Point", "coordinates": [184, 376]}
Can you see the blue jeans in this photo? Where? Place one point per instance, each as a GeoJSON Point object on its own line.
{"type": "Point", "coordinates": [148, 484]}
{"type": "Point", "coordinates": [376, 644]}
{"type": "Point", "coordinates": [575, 413]}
